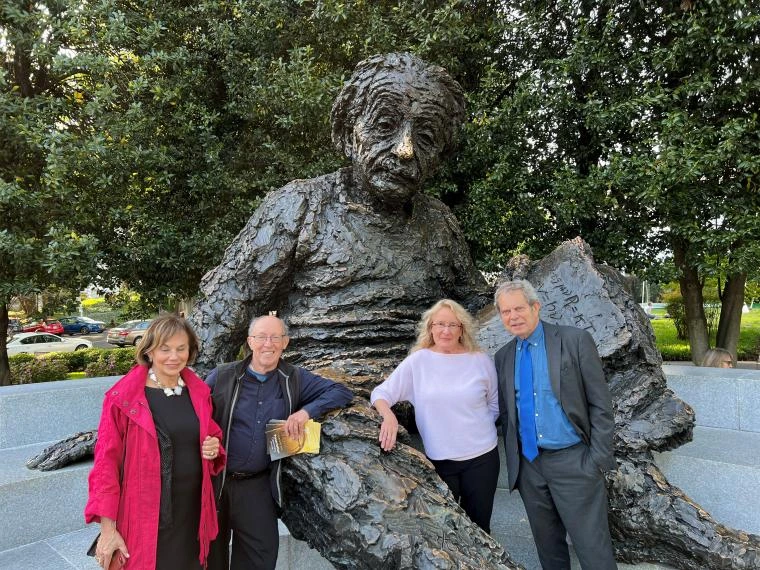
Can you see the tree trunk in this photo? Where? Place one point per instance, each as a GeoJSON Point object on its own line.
{"type": "Point", "coordinates": [691, 292]}
{"type": "Point", "coordinates": [731, 313]}
{"type": "Point", "coordinates": [5, 369]}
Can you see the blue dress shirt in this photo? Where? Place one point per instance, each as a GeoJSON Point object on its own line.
{"type": "Point", "coordinates": [553, 429]}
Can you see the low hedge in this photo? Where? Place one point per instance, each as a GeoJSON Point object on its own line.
{"type": "Point", "coordinates": [37, 370]}
{"type": "Point", "coordinates": [20, 358]}
{"type": "Point", "coordinates": [111, 363]}
{"type": "Point", "coordinates": [30, 369]}
{"type": "Point", "coordinates": [75, 361]}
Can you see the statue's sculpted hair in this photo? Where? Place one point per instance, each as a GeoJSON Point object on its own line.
{"type": "Point", "coordinates": [382, 71]}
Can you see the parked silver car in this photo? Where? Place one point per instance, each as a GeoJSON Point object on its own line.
{"type": "Point", "coordinates": [130, 332]}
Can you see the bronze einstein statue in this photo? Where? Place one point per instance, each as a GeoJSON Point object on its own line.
{"type": "Point", "coordinates": [349, 258]}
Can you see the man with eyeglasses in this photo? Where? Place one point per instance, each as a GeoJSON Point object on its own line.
{"type": "Point", "coordinates": [557, 421]}
{"type": "Point", "coordinates": [247, 394]}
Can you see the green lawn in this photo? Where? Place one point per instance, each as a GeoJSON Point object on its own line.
{"type": "Point", "coordinates": [674, 349]}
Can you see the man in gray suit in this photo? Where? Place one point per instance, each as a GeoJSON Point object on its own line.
{"type": "Point", "coordinates": [557, 421]}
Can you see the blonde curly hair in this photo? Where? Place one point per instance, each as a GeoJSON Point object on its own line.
{"type": "Point", "coordinates": [424, 328]}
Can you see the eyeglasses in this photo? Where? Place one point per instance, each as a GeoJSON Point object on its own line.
{"type": "Point", "coordinates": [440, 325]}
{"type": "Point", "coordinates": [273, 338]}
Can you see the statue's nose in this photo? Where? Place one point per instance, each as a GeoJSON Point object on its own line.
{"type": "Point", "coordinates": [404, 148]}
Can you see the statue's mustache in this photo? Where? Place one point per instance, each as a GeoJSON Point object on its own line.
{"type": "Point", "coordinates": [390, 164]}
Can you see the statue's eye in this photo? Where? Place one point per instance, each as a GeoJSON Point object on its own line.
{"type": "Point", "coordinates": [385, 125]}
{"type": "Point", "coordinates": [425, 138]}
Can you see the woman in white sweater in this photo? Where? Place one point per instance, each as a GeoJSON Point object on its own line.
{"type": "Point", "coordinates": [452, 385]}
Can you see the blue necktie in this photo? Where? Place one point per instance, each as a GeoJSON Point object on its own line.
{"type": "Point", "coordinates": [527, 409]}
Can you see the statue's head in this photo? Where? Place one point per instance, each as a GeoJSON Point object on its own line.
{"type": "Point", "coordinates": [395, 118]}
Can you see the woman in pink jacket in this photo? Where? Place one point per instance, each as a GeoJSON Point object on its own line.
{"type": "Point", "coordinates": [157, 449]}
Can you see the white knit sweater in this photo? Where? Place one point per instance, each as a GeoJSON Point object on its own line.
{"type": "Point", "coordinates": [455, 400]}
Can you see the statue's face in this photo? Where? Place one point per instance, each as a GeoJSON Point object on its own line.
{"type": "Point", "coordinates": [398, 141]}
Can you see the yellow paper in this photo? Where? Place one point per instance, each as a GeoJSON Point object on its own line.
{"type": "Point", "coordinates": [279, 445]}
{"type": "Point", "coordinates": [313, 432]}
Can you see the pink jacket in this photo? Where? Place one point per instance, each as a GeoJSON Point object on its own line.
{"type": "Point", "coordinates": [134, 504]}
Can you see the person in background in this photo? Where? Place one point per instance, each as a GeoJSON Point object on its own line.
{"type": "Point", "coordinates": [246, 395]}
{"type": "Point", "coordinates": [557, 421]}
{"type": "Point", "coordinates": [452, 385]}
{"type": "Point", "coordinates": [150, 486]}
{"type": "Point", "coordinates": [718, 358]}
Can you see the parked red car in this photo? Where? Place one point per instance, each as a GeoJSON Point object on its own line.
{"type": "Point", "coordinates": [52, 327]}
{"type": "Point", "coordinates": [34, 326]}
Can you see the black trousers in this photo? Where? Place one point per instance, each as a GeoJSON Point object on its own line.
{"type": "Point", "coordinates": [247, 514]}
{"type": "Point", "coordinates": [473, 483]}
{"type": "Point", "coordinates": [565, 493]}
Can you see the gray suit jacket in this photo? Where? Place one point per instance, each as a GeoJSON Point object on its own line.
{"type": "Point", "coordinates": [578, 382]}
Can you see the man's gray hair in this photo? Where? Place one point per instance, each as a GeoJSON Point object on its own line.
{"type": "Point", "coordinates": [517, 285]}
{"type": "Point", "coordinates": [257, 319]}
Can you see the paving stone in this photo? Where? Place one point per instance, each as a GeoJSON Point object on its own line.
{"type": "Point", "coordinates": [719, 470]}
{"type": "Point", "coordinates": [73, 546]}
{"type": "Point", "coordinates": [713, 395]}
{"type": "Point", "coordinates": [37, 556]}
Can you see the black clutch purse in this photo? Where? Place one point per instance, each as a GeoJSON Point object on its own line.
{"type": "Point", "coordinates": [93, 546]}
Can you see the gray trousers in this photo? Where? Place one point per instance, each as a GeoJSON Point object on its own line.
{"type": "Point", "coordinates": [564, 493]}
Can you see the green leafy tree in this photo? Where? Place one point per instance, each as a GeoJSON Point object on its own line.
{"type": "Point", "coordinates": [752, 291]}
{"type": "Point", "coordinates": [141, 136]}
{"type": "Point", "coordinates": [634, 125]}
{"type": "Point", "coordinates": [40, 101]}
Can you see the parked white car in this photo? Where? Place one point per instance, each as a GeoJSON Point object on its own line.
{"type": "Point", "coordinates": [39, 343]}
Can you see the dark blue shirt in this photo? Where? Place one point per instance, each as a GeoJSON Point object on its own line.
{"type": "Point", "coordinates": [553, 429]}
{"type": "Point", "coordinates": [258, 402]}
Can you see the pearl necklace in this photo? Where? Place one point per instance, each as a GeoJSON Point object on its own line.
{"type": "Point", "coordinates": [176, 391]}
